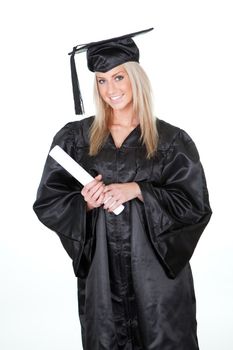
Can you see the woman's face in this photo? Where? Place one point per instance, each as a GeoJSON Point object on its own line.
{"type": "Point", "coordinates": [115, 88]}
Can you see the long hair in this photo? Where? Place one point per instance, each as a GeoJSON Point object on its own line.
{"type": "Point", "coordinates": [142, 107]}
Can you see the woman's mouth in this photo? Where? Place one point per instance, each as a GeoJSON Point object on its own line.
{"type": "Point", "coordinates": [116, 98]}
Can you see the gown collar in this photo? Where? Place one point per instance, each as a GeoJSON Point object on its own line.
{"type": "Point", "coordinates": [131, 141]}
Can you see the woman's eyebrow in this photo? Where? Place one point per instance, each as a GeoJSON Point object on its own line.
{"type": "Point", "coordinates": [100, 77]}
{"type": "Point", "coordinates": [117, 73]}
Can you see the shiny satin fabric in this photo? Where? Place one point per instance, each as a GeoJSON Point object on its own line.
{"type": "Point", "coordinates": [135, 286]}
{"type": "Point", "coordinates": [105, 56]}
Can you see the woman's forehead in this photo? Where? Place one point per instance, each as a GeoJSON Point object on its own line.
{"type": "Point", "coordinates": [112, 72]}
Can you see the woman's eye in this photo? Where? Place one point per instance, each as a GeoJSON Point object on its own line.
{"type": "Point", "coordinates": [101, 81]}
{"type": "Point", "coordinates": [119, 77]}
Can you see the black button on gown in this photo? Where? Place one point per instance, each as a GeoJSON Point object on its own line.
{"type": "Point", "coordinates": [135, 287]}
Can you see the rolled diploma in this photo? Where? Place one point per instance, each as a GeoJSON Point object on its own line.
{"type": "Point", "coordinates": [70, 165]}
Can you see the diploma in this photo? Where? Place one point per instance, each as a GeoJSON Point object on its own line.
{"type": "Point", "coordinates": [70, 165]}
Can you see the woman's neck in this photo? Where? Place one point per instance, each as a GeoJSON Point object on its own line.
{"type": "Point", "coordinates": [124, 118]}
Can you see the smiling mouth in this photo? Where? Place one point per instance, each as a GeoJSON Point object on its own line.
{"type": "Point", "coordinates": [115, 98]}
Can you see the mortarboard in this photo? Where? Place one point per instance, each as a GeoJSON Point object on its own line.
{"type": "Point", "coordinates": [101, 57]}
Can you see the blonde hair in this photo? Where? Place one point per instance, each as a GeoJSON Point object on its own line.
{"type": "Point", "coordinates": [142, 107]}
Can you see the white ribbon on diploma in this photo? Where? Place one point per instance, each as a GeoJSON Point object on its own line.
{"type": "Point", "coordinates": [70, 165]}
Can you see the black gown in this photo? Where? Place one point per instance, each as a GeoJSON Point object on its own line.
{"type": "Point", "coordinates": [135, 286]}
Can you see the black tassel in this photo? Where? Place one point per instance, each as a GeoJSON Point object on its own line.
{"type": "Point", "coordinates": [78, 101]}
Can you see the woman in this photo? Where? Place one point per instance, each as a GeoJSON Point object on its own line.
{"type": "Point", "coordinates": [135, 287]}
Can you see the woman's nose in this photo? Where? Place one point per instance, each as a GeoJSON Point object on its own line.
{"type": "Point", "coordinates": [111, 88]}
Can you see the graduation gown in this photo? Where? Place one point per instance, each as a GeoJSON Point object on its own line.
{"type": "Point", "coordinates": [135, 286]}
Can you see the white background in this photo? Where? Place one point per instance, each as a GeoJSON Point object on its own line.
{"type": "Point", "coordinates": [189, 60]}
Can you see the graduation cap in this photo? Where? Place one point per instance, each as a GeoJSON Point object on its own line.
{"type": "Point", "coordinates": [101, 57]}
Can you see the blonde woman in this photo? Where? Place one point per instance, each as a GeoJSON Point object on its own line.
{"type": "Point", "coordinates": [135, 287]}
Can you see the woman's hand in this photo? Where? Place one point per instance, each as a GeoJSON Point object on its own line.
{"type": "Point", "coordinates": [117, 194]}
{"type": "Point", "coordinates": [93, 193]}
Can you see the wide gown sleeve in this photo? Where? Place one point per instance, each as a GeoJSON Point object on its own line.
{"type": "Point", "coordinates": [177, 207]}
{"type": "Point", "coordinates": [60, 206]}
